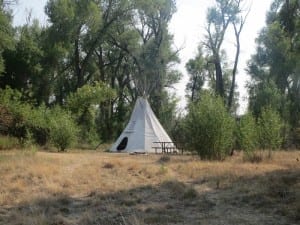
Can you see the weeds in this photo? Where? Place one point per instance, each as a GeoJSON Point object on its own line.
{"type": "Point", "coordinates": [7, 143]}
{"type": "Point", "coordinates": [163, 170]}
{"type": "Point", "coordinates": [190, 193]}
{"type": "Point", "coordinates": [108, 165]}
{"type": "Point", "coordinates": [253, 157]}
{"type": "Point", "coordinates": [164, 159]}
{"type": "Point", "coordinates": [101, 188]}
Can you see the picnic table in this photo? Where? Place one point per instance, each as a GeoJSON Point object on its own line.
{"type": "Point", "coordinates": [167, 147]}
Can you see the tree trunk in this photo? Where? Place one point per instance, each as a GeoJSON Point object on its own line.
{"type": "Point", "coordinates": [219, 78]}
{"type": "Point", "coordinates": [194, 88]}
{"type": "Point", "coordinates": [234, 71]}
{"type": "Point", "coordinates": [237, 33]}
{"type": "Point", "coordinates": [77, 65]}
{"type": "Point", "coordinates": [101, 65]}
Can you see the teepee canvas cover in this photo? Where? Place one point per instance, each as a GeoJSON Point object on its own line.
{"type": "Point", "coordinates": [141, 131]}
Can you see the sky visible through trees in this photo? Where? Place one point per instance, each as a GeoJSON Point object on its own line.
{"type": "Point", "coordinates": [187, 25]}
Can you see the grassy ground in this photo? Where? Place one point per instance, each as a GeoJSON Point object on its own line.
{"type": "Point", "coordinates": [101, 188]}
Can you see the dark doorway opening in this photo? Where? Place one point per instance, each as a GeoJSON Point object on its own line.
{"type": "Point", "coordinates": [122, 144]}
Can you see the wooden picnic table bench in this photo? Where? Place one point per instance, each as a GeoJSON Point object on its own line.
{"type": "Point", "coordinates": [167, 147]}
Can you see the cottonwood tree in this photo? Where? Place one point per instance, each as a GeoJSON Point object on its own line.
{"type": "Point", "coordinates": [157, 56]}
{"type": "Point", "coordinates": [150, 49]}
{"type": "Point", "coordinates": [6, 31]}
{"type": "Point", "coordinates": [79, 27]}
{"type": "Point", "coordinates": [222, 16]}
{"type": "Point", "coordinates": [238, 25]}
{"type": "Point", "coordinates": [276, 59]}
{"type": "Point", "coordinates": [275, 63]}
{"type": "Point", "coordinates": [24, 64]}
{"type": "Point", "coordinates": [200, 71]}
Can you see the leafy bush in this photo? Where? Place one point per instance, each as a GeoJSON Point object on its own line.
{"type": "Point", "coordinates": [36, 124]}
{"type": "Point", "coordinates": [264, 95]}
{"type": "Point", "coordinates": [7, 142]}
{"type": "Point", "coordinates": [190, 193]}
{"type": "Point", "coordinates": [21, 119]}
{"type": "Point", "coordinates": [247, 136]}
{"type": "Point", "coordinates": [296, 136]}
{"type": "Point", "coordinates": [209, 128]}
{"type": "Point", "coordinates": [83, 104]}
{"type": "Point", "coordinates": [13, 113]}
{"type": "Point", "coordinates": [270, 126]}
{"type": "Point", "coordinates": [6, 119]}
{"type": "Point", "coordinates": [63, 129]}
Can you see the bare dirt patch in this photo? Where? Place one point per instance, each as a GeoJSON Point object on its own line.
{"type": "Point", "coordinates": [102, 188]}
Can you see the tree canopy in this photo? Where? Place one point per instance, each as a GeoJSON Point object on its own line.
{"type": "Point", "coordinates": [93, 58]}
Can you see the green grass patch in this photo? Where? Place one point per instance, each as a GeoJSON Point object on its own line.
{"type": "Point", "coordinates": [7, 143]}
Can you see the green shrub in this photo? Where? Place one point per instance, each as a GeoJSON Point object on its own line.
{"type": "Point", "coordinates": [20, 118]}
{"type": "Point", "coordinates": [190, 193]}
{"type": "Point", "coordinates": [83, 106]}
{"type": "Point", "coordinates": [63, 130]}
{"type": "Point", "coordinates": [33, 125]}
{"type": "Point", "coordinates": [164, 159]}
{"type": "Point", "coordinates": [37, 125]}
{"type": "Point", "coordinates": [7, 142]}
{"type": "Point", "coordinates": [13, 113]}
{"type": "Point", "coordinates": [270, 127]}
{"type": "Point", "coordinates": [296, 136]}
{"type": "Point", "coordinates": [209, 128]}
{"type": "Point", "coordinates": [6, 119]}
{"type": "Point", "coordinates": [247, 136]}
{"type": "Point", "coordinates": [87, 134]}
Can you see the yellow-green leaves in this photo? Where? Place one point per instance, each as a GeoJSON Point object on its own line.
{"type": "Point", "coordinates": [89, 95]}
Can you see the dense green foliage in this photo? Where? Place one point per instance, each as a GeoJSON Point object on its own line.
{"type": "Point", "coordinates": [209, 128]}
{"type": "Point", "coordinates": [36, 125]}
{"type": "Point", "coordinates": [93, 59]}
{"type": "Point", "coordinates": [83, 104]}
{"type": "Point", "coordinates": [8, 142]}
{"type": "Point", "coordinates": [270, 129]}
{"type": "Point", "coordinates": [198, 71]}
{"type": "Point", "coordinates": [247, 134]}
{"type": "Point", "coordinates": [265, 95]}
{"type": "Point", "coordinates": [274, 68]}
{"type": "Point", "coordinates": [6, 32]}
{"type": "Point", "coordinates": [62, 128]}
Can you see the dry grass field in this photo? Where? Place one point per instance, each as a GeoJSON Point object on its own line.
{"type": "Point", "coordinates": [101, 188]}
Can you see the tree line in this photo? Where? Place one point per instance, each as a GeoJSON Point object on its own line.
{"type": "Point", "coordinates": [78, 76]}
{"type": "Point", "coordinates": [93, 59]}
{"type": "Point", "coordinates": [272, 117]}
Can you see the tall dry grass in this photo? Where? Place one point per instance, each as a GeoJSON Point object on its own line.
{"type": "Point", "coordinates": [41, 187]}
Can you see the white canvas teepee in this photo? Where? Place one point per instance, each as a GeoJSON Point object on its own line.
{"type": "Point", "coordinates": [141, 131]}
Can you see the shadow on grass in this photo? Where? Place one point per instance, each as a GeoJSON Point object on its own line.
{"type": "Point", "coordinates": [269, 199]}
